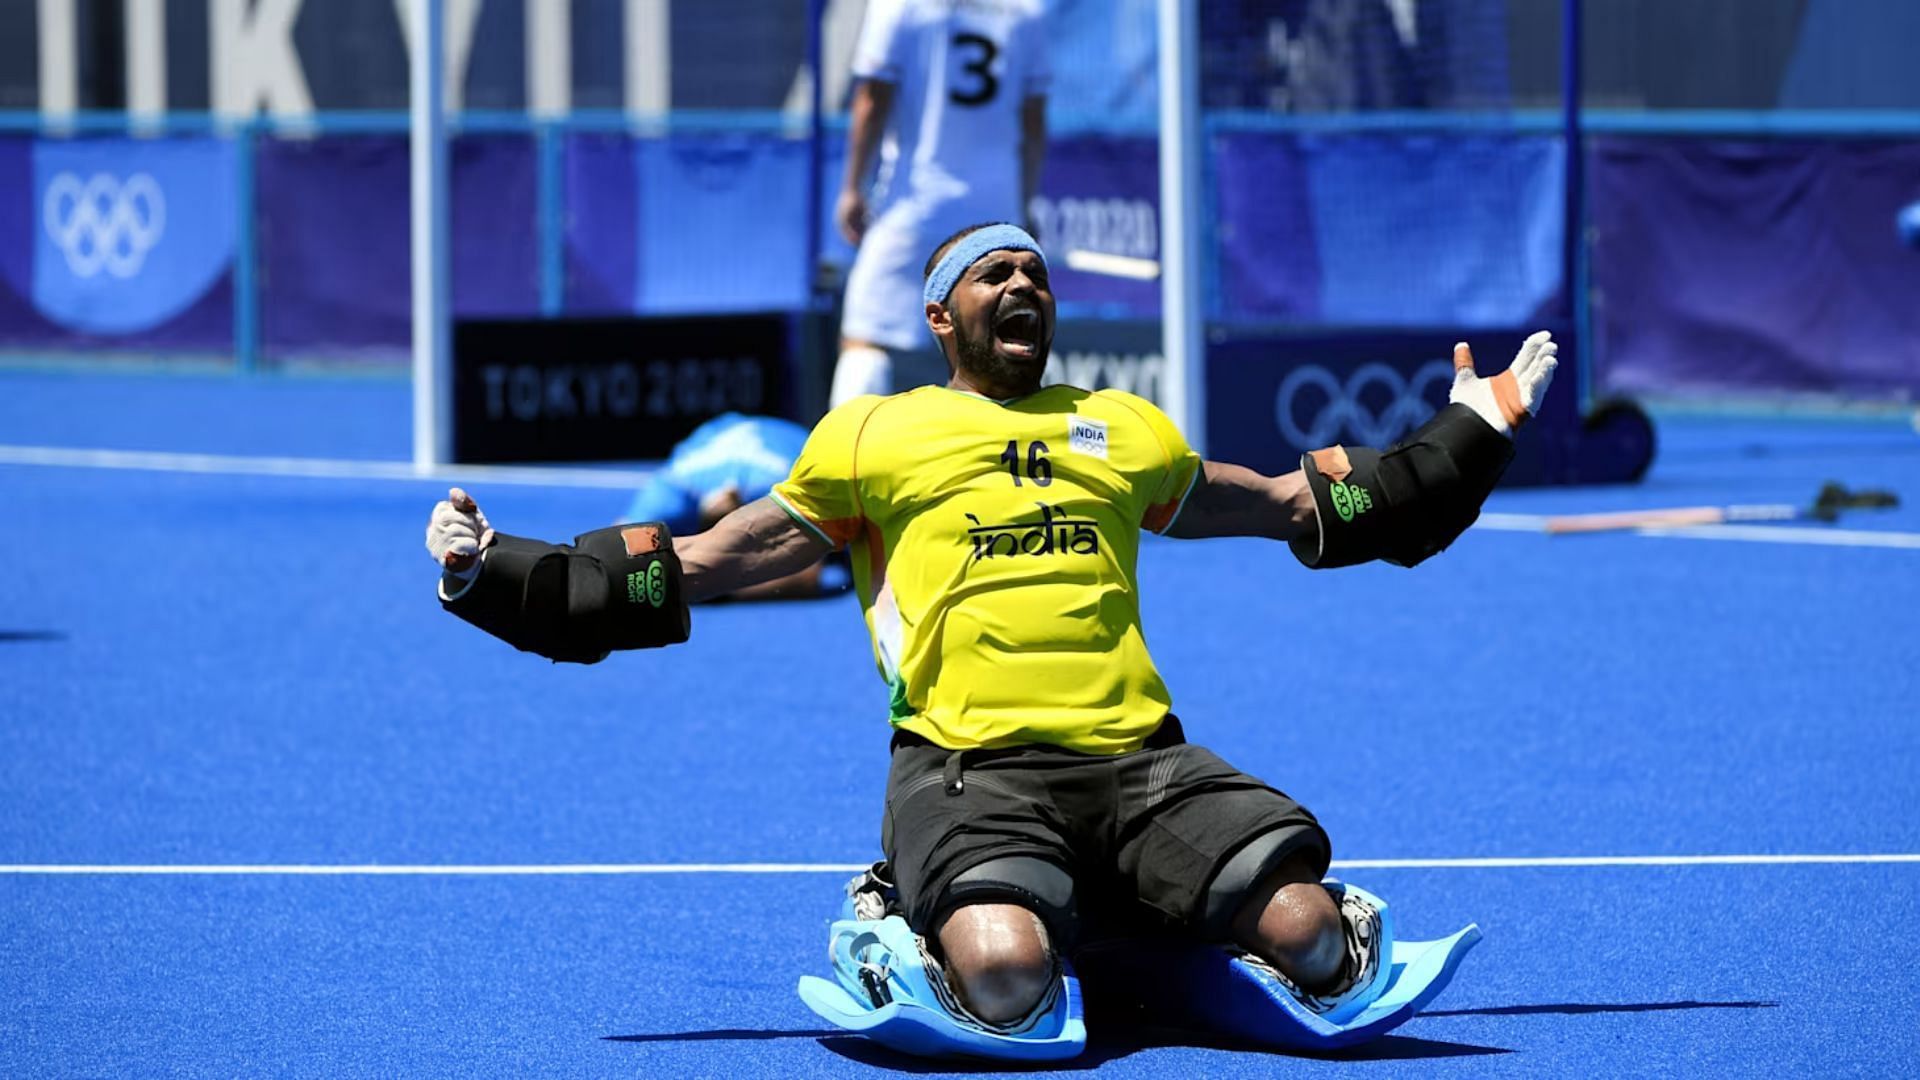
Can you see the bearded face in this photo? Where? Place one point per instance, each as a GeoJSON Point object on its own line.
{"type": "Point", "coordinates": [1002, 312]}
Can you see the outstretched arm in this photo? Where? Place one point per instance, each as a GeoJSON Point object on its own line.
{"type": "Point", "coordinates": [1233, 500]}
{"type": "Point", "coordinates": [1343, 507]}
{"type": "Point", "coordinates": [624, 587]}
{"type": "Point", "coordinates": [755, 544]}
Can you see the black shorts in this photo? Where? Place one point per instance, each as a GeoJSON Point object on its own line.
{"type": "Point", "coordinates": [1142, 835]}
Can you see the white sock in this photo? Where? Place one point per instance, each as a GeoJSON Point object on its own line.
{"type": "Point", "coordinates": [862, 369]}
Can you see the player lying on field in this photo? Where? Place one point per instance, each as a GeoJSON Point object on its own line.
{"type": "Point", "coordinates": [724, 463]}
{"type": "Point", "coordinates": [1039, 776]}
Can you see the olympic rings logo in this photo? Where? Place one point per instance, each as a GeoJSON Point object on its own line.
{"type": "Point", "coordinates": [104, 224]}
{"type": "Point", "coordinates": [1405, 403]}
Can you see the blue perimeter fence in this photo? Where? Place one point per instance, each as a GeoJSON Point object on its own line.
{"type": "Point", "coordinates": [289, 240]}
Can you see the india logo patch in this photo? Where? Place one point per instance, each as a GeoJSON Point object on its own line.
{"type": "Point", "coordinates": [1088, 436]}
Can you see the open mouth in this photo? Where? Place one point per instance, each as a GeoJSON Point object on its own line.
{"type": "Point", "coordinates": [1018, 332]}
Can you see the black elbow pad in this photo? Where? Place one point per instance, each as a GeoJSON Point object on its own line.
{"type": "Point", "coordinates": [614, 588]}
{"type": "Point", "coordinates": [1408, 503]}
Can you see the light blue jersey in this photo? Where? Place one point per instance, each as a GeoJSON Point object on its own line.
{"type": "Point", "coordinates": [751, 453]}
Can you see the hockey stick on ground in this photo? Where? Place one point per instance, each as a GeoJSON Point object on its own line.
{"type": "Point", "coordinates": [1833, 498]}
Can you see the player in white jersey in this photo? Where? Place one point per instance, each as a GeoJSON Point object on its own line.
{"type": "Point", "coordinates": [952, 102]}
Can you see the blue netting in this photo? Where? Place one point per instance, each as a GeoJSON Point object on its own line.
{"type": "Point", "coordinates": [1372, 163]}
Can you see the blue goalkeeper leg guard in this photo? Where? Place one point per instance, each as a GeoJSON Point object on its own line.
{"type": "Point", "coordinates": [1233, 994]}
{"type": "Point", "coordinates": [890, 989]}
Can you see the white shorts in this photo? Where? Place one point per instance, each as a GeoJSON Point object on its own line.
{"type": "Point", "coordinates": [883, 302]}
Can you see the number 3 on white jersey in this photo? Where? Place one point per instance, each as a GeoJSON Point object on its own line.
{"type": "Point", "coordinates": [974, 84]}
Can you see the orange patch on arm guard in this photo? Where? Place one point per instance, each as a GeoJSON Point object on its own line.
{"type": "Point", "coordinates": [1332, 462]}
{"type": "Point", "coordinates": [641, 539]}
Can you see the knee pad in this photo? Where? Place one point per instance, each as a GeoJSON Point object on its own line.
{"type": "Point", "coordinates": [890, 988]}
{"type": "Point", "coordinates": [1236, 879]}
{"type": "Point", "coordinates": [1029, 881]}
{"type": "Point", "coordinates": [1179, 984]}
{"type": "Point", "coordinates": [863, 369]}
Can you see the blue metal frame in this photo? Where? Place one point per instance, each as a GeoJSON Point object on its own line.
{"type": "Point", "coordinates": [246, 252]}
{"type": "Point", "coordinates": [1573, 240]}
{"type": "Point", "coordinates": [550, 217]}
{"type": "Point", "coordinates": [816, 153]}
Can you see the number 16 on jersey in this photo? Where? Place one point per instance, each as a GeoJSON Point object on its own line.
{"type": "Point", "coordinates": [1039, 469]}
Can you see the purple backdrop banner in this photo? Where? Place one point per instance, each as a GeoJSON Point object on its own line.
{"type": "Point", "coordinates": [1263, 223]}
{"type": "Point", "coordinates": [334, 240]}
{"type": "Point", "coordinates": [19, 323]}
{"type": "Point", "coordinates": [1272, 397]}
{"type": "Point", "coordinates": [721, 223]}
{"type": "Point", "coordinates": [116, 243]}
{"type": "Point", "coordinates": [600, 257]}
{"type": "Point", "coordinates": [1387, 229]}
{"type": "Point", "coordinates": [1755, 266]}
{"type": "Point", "coordinates": [1719, 266]}
{"type": "Point", "coordinates": [696, 222]}
{"type": "Point", "coordinates": [1101, 194]}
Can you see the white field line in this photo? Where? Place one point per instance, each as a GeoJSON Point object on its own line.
{"type": "Point", "coordinates": [584, 869]}
{"type": "Point", "coordinates": [318, 468]}
{"type": "Point", "coordinates": [448, 870]}
{"type": "Point", "coordinates": [1771, 534]}
{"type": "Point", "coordinates": [1524, 862]}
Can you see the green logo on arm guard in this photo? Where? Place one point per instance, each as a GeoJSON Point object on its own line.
{"type": "Point", "coordinates": [648, 586]}
{"type": "Point", "coordinates": [1350, 499]}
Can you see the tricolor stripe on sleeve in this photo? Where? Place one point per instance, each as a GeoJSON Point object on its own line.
{"type": "Point", "coordinates": [836, 531]}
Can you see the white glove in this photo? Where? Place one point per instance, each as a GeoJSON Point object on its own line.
{"type": "Point", "coordinates": [457, 535]}
{"type": "Point", "coordinates": [1506, 400]}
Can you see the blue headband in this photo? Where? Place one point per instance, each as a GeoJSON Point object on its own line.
{"type": "Point", "coordinates": [968, 251]}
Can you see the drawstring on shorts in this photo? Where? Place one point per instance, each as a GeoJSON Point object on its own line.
{"type": "Point", "coordinates": [953, 776]}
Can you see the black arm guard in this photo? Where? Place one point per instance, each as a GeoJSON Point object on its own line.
{"type": "Point", "coordinates": [615, 588]}
{"type": "Point", "coordinates": [1407, 503]}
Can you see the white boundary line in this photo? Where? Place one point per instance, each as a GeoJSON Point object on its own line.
{"type": "Point", "coordinates": [1772, 534]}
{"type": "Point", "coordinates": [586, 869]}
{"type": "Point", "coordinates": [449, 870]}
{"type": "Point", "coordinates": [318, 468]}
{"type": "Point", "coordinates": [1497, 863]}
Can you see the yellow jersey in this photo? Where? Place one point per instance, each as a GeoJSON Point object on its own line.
{"type": "Point", "coordinates": [994, 547]}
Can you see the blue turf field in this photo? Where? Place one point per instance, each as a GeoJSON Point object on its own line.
{"type": "Point", "coordinates": [222, 670]}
